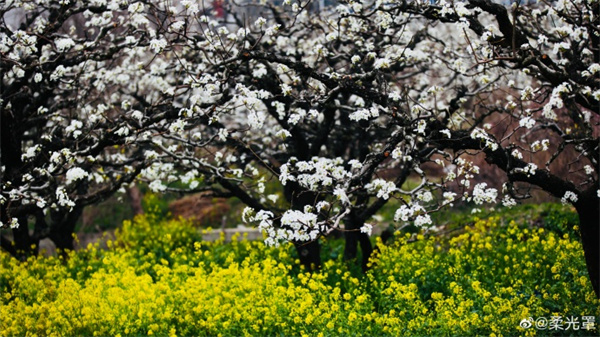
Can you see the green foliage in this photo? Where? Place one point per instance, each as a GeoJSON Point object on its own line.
{"type": "Point", "coordinates": [561, 219]}
{"type": "Point", "coordinates": [158, 278]}
{"type": "Point", "coordinates": [151, 233]}
{"type": "Point", "coordinates": [157, 205]}
{"type": "Point", "coordinates": [102, 216]}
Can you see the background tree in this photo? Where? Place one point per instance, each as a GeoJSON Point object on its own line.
{"type": "Point", "coordinates": [341, 108]}
{"type": "Point", "coordinates": [78, 87]}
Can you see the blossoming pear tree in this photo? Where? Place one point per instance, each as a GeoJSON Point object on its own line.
{"type": "Point", "coordinates": [339, 107]}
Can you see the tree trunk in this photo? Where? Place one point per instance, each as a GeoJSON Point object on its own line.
{"type": "Point", "coordinates": [10, 157]}
{"type": "Point", "coordinates": [8, 246]}
{"type": "Point", "coordinates": [351, 243]}
{"type": "Point", "coordinates": [588, 209]}
{"type": "Point", "coordinates": [63, 229]}
{"type": "Point", "coordinates": [25, 245]}
{"type": "Point", "coordinates": [366, 248]}
{"type": "Point", "coordinates": [310, 254]}
{"type": "Point", "coordinates": [62, 238]}
{"type": "Point", "coordinates": [353, 238]}
{"type": "Point", "coordinates": [135, 197]}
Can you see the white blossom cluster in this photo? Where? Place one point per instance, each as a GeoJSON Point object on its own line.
{"type": "Point", "coordinates": [507, 201]}
{"type": "Point", "coordinates": [527, 122]}
{"type": "Point", "coordinates": [314, 174]}
{"type": "Point", "coordinates": [364, 114]}
{"type": "Point", "coordinates": [76, 173]}
{"type": "Point", "coordinates": [158, 174]}
{"type": "Point", "coordinates": [569, 197]}
{"type": "Point", "coordinates": [490, 143]}
{"type": "Point", "coordinates": [381, 187]}
{"type": "Point", "coordinates": [191, 103]}
{"type": "Point", "coordinates": [481, 194]}
{"type": "Point", "coordinates": [540, 146]}
{"type": "Point", "coordinates": [555, 101]}
{"type": "Point", "coordinates": [413, 212]}
{"type": "Point", "coordinates": [13, 223]}
{"type": "Point", "coordinates": [295, 225]}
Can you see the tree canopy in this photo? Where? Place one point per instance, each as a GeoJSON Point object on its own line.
{"type": "Point", "coordinates": [340, 106]}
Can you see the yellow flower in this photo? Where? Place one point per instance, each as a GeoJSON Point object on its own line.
{"type": "Point", "coordinates": [436, 296]}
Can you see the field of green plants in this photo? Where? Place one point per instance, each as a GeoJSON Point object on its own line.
{"type": "Point", "coordinates": [481, 276]}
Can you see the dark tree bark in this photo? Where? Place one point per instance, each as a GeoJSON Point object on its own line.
{"type": "Point", "coordinates": [62, 232]}
{"type": "Point", "coordinates": [10, 157]}
{"type": "Point", "coordinates": [588, 209]}
{"type": "Point", "coordinates": [354, 237]}
{"type": "Point", "coordinates": [25, 245]}
{"type": "Point", "coordinates": [351, 236]}
{"type": "Point", "coordinates": [309, 254]}
{"type": "Point", "coordinates": [8, 245]}
{"type": "Point", "coordinates": [366, 248]}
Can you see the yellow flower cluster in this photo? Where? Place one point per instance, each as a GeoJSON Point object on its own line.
{"type": "Point", "coordinates": [158, 279]}
{"type": "Point", "coordinates": [485, 280]}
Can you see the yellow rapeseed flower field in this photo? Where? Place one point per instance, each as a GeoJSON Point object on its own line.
{"type": "Point", "coordinates": [158, 279]}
